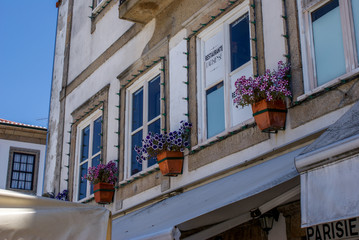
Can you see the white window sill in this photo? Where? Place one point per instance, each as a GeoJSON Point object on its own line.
{"type": "Point", "coordinates": [328, 84]}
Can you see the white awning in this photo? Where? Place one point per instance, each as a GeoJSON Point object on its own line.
{"type": "Point", "coordinates": [213, 203]}
{"type": "Point", "coordinates": [329, 173]}
{"type": "Point", "coordinates": [28, 217]}
{"type": "Point", "coordinates": [330, 193]}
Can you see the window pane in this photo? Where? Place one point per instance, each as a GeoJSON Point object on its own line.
{"type": "Point", "coordinates": [240, 44]}
{"type": "Point", "coordinates": [85, 143]}
{"type": "Point", "coordinates": [23, 167]}
{"type": "Point", "coordinates": [17, 157]}
{"type": "Point", "coordinates": [30, 159]}
{"type": "Point", "coordinates": [154, 98]}
{"type": "Point", "coordinates": [96, 141]}
{"type": "Point", "coordinates": [355, 6]}
{"type": "Point", "coordinates": [95, 162]}
{"type": "Point", "coordinates": [136, 141]}
{"type": "Point", "coordinates": [328, 42]}
{"type": "Point", "coordinates": [29, 177]}
{"type": "Point", "coordinates": [21, 185]}
{"type": "Point", "coordinates": [15, 175]}
{"type": "Point", "coordinates": [28, 186]}
{"type": "Point", "coordinates": [137, 109]}
{"type": "Point", "coordinates": [14, 184]}
{"type": "Point", "coordinates": [23, 158]}
{"type": "Point", "coordinates": [22, 176]}
{"type": "Point", "coordinates": [154, 127]}
{"type": "Point", "coordinates": [82, 182]}
{"type": "Point", "coordinates": [16, 167]}
{"type": "Point", "coordinates": [215, 110]}
{"type": "Point", "coordinates": [29, 168]}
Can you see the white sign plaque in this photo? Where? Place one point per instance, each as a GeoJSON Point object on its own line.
{"type": "Point", "coordinates": [214, 58]}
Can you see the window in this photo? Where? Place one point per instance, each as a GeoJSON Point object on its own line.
{"type": "Point", "coordinates": [22, 174]}
{"type": "Point", "coordinates": [224, 55]}
{"type": "Point", "coordinates": [143, 116]}
{"type": "Point", "coordinates": [23, 168]}
{"type": "Point", "coordinates": [97, 2]}
{"type": "Point", "coordinates": [89, 139]}
{"type": "Point", "coordinates": [331, 40]}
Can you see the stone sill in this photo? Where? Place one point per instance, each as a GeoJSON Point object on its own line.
{"type": "Point", "coordinates": [141, 11]}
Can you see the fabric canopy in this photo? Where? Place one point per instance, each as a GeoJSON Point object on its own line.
{"type": "Point", "coordinates": [29, 217]}
{"type": "Point", "coordinates": [193, 209]}
{"type": "Point", "coordinates": [329, 171]}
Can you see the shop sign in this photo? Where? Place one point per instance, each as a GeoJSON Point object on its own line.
{"type": "Point", "coordinates": [345, 229]}
{"type": "Point", "coordinates": [214, 59]}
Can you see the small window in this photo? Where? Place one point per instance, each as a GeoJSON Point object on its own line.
{"type": "Point", "coordinates": [23, 170]}
{"type": "Point", "coordinates": [22, 175]}
{"type": "Point", "coordinates": [144, 116]}
{"type": "Point", "coordinates": [89, 151]}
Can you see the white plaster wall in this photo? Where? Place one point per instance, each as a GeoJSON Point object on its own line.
{"type": "Point", "coordinates": [54, 114]}
{"type": "Point", "coordinates": [273, 29]}
{"type": "Point", "coordinates": [178, 75]}
{"type": "Point", "coordinates": [278, 231]}
{"type": "Point", "coordinates": [87, 46]}
{"type": "Point", "coordinates": [105, 74]}
{"type": "Point", "coordinates": [4, 157]}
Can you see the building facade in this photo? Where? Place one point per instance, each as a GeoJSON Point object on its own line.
{"type": "Point", "coordinates": [22, 151]}
{"type": "Point", "coordinates": [123, 69]}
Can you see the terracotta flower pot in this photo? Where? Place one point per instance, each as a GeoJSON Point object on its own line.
{"type": "Point", "coordinates": [270, 116]}
{"type": "Point", "coordinates": [103, 192]}
{"type": "Point", "coordinates": [170, 163]}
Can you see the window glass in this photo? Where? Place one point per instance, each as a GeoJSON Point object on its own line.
{"type": "Point", "coordinates": [95, 162]}
{"type": "Point", "coordinates": [215, 110]}
{"type": "Point", "coordinates": [22, 171]}
{"type": "Point", "coordinates": [136, 141]}
{"type": "Point", "coordinates": [328, 42]}
{"type": "Point", "coordinates": [154, 127]}
{"type": "Point", "coordinates": [97, 2]}
{"type": "Point", "coordinates": [96, 139]}
{"type": "Point", "coordinates": [83, 182]}
{"type": "Point", "coordinates": [137, 109]}
{"type": "Point", "coordinates": [85, 143]}
{"type": "Point", "coordinates": [240, 44]}
{"type": "Point", "coordinates": [154, 98]}
{"type": "Point", "coordinates": [355, 6]}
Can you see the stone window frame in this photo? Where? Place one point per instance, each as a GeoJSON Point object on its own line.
{"type": "Point", "coordinates": [224, 22]}
{"type": "Point", "coordinates": [34, 152]}
{"type": "Point", "coordinates": [98, 102]}
{"type": "Point", "coordinates": [88, 121]}
{"type": "Point", "coordinates": [140, 82]}
{"type": "Point", "coordinates": [305, 8]}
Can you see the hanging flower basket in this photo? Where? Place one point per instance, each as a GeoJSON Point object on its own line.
{"type": "Point", "coordinates": [167, 147]}
{"type": "Point", "coordinates": [266, 94]}
{"type": "Point", "coordinates": [170, 162]}
{"type": "Point", "coordinates": [104, 192]}
{"type": "Point", "coordinates": [103, 177]}
{"type": "Point", "coordinates": [269, 115]}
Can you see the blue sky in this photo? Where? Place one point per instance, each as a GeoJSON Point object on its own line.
{"type": "Point", "coordinates": [27, 39]}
